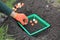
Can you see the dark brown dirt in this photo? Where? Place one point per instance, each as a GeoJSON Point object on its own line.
{"type": "Point", "coordinates": [50, 14]}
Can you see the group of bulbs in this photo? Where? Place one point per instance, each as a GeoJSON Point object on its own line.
{"type": "Point", "coordinates": [33, 22]}
{"type": "Point", "coordinates": [18, 5]}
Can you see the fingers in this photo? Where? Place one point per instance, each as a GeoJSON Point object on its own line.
{"type": "Point", "coordinates": [24, 19]}
{"type": "Point", "coordinates": [22, 22]}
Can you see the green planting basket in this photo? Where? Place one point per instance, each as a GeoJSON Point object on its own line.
{"type": "Point", "coordinates": [42, 25]}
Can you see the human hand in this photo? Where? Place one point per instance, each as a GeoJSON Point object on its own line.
{"type": "Point", "coordinates": [21, 17]}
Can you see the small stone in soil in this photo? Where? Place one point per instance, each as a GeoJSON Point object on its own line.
{"type": "Point", "coordinates": [47, 6]}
